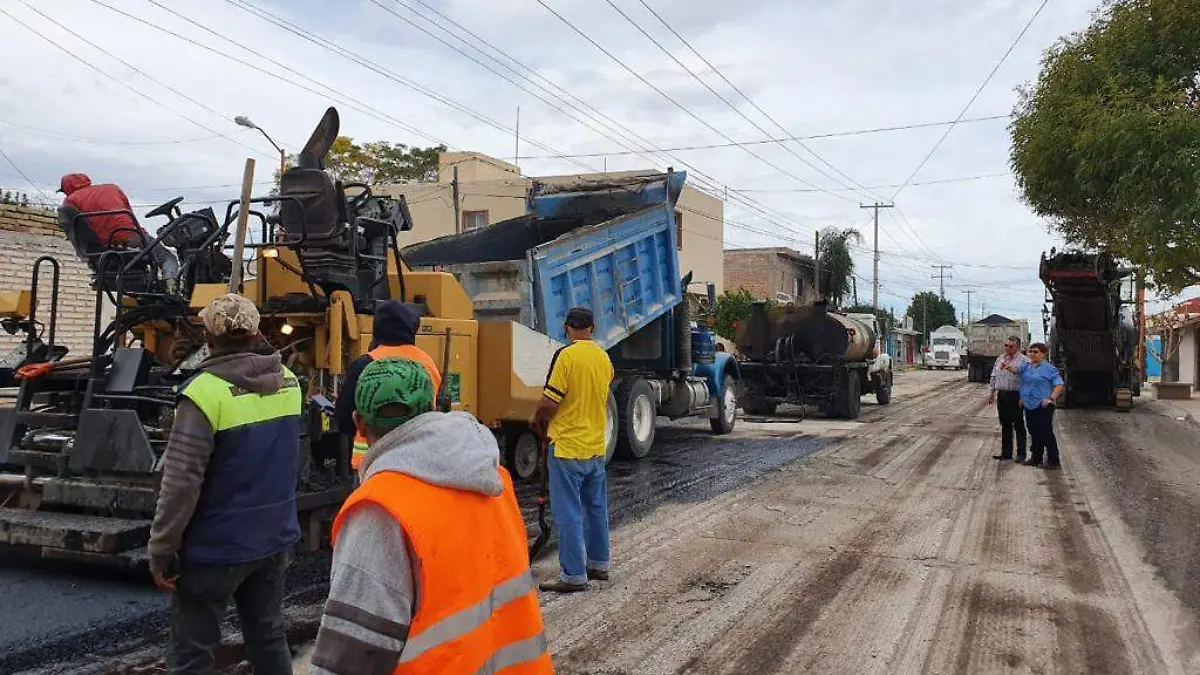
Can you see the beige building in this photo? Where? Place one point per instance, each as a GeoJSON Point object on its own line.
{"type": "Point", "coordinates": [490, 190]}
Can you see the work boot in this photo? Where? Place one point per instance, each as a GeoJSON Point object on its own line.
{"type": "Point", "coordinates": [597, 575]}
{"type": "Point", "coordinates": [1031, 462]}
{"type": "Point", "coordinates": [560, 586]}
{"type": "Point", "coordinates": [1002, 458]}
{"type": "Point", "coordinates": [1052, 466]}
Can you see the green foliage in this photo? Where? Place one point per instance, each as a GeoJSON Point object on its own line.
{"type": "Point", "coordinates": [837, 263]}
{"type": "Point", "coordinates": [378, 162]}
{"type": "Point", "coordinates": [1105, 143]}
{"type": "Point", "coordinates": [929, 306]}
{"type": "Point", "coordinates": [733, 307]}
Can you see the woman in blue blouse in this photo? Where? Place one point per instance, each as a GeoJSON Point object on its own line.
{"type": "Point", "coordinates": [1041, 385]}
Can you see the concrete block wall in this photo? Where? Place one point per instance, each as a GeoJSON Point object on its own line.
{"type": "Point", "coordinates": [25, 235]}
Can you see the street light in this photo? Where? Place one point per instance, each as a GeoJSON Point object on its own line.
{"type": "Point", "coordinates": [244, 121]}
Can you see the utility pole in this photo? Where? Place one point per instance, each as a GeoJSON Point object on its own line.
{"type": "Point", "coordinates": [517, 142]}
{"type": "Point", "coordinates": [941, 277]}
{"type": "Point", "coordinates": [969, 293]}
{"type": "Point", "coordinates": [1141, 318]}
{"type": "Point", "coordinates": [816, 263]}
{"type": "Point", "coordinates": [875, 262]}
{"type": "Point", "coordinates": [457, 206]}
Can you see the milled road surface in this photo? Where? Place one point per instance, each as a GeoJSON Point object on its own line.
{"type": "Point", "coordinates": [894, 544]}
{"type": "Point", "coordinates": [903, 549]}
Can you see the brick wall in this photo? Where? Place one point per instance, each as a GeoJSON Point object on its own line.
{"type": "Point", "coordinates": [25, 235]}
{"type": "Point", "coordinates": [765, 272]}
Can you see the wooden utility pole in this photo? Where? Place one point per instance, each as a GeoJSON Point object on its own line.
{"type": "Point", "coordinates": [239, 244]}
{"type": "Point", "coordinates": [817, 263]}
{"type": "Point", "coordinates": [969, 293]}
{"type": "Point", "coordinates": [875, 244]}
{"type": "Point", "coordinates": [457, 206]}
{"type": "Point", "coordinates": [1141, 310]}
{"type": "Point", "coordinates": [941, 277]}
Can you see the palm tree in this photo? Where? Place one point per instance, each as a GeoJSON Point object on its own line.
{"type": "Point", "coordinates": [837, 263]}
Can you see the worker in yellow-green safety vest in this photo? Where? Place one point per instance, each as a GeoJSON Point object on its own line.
{"type": "Point", "coordinates": [225, 523]}
{"type": "Point", "coordinates": [393, 336]}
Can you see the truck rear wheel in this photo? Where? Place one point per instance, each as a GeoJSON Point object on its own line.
{"type": "Point", "coordinates": [610, 430]}
{"type": "Point", "coordinates": [635, 418]}
{"type": "Point", "coordinates": [848, 395]}
{"type": "Point", "coordinates": [726, 409]}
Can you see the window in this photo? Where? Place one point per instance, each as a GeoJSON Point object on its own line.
{"type": "Point", "coordinates": [679, 230]}
{"type": "Point", "coordinates": [473, 220]}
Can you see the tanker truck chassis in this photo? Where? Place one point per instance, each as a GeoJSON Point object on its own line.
{"type": "Point", "coordinates": [808, 356]}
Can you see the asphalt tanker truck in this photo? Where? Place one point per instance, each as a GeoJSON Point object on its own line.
{"type": "Point", "coordinates": [811, 356]}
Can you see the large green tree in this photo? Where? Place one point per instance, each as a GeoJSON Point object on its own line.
{"type": "Point", "coordinates": [378, 162]}
{"type": "Point", "coordinates": [929, 311]}
{"type": "Point", "coordinates": [837, 263]}
{"type": "Point", "coordinates": [1105, 142]}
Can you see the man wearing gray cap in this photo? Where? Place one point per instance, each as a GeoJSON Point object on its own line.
{"type": "Point", "coordinates": [226, 517]}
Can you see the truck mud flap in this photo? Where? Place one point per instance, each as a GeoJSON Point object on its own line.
{"type": "Point", "coordinates": [71, 532]}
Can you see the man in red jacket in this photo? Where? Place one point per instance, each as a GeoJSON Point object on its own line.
{"type": "Point", "coordinates": [114, 230]}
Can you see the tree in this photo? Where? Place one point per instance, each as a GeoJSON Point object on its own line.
{"type": "Point", "coordinates": [378, 162]}
{"type": "Point", "coordinates": [733, 307]}
{"type": "Point", "coordinates": [836, 262]}
{"type": "Point", "coordinates": [929, 311]}
{"type": "Point", "coordinates": [1104, 144]}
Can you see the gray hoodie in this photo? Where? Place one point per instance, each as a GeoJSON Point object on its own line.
{"type": "Point", "coordinates": [373, 589]}
{"type": "Point", "coordinates": [191, 446]}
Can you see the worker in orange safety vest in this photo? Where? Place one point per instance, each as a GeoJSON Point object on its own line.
{"type": "Point", "coordinates": [393, 335]}
{"type": "Point", "coordinates": [430, 568]}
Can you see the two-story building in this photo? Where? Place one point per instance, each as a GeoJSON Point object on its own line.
{"type": "Point", "coordinates": [484, 190]}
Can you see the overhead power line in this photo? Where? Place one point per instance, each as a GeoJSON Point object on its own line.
{"type": "Point", "coordinates": [780, 139]}
{"type": "Point", "coordinates": [100, 141]}
{"type": "Point", "coordinates": [109, 76]}
{"type": "Point", "coordinates": [972, 100]}
{"type": "Point", "coordinates": [940, 181]}
{"type": "Point", "coordinates": [22, 173]}
{"type": "Point", "coordinates": [676, 103]}
{"type": "Point", "coordinates": [747, 98]}
{"type": "Point", "coordinates": [729, 104]}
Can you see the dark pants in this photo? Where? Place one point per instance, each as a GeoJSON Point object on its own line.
{"type": "Point", "coordinates": [1041, 435]}
{"type": "Point", "coordinates": [201, 598]}
{"type": "Point", "coordinates": [1008, 406]}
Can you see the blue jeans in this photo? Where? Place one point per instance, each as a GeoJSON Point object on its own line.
{"type": "Point", "coordinates": [579, 502]}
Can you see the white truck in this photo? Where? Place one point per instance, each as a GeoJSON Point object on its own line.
{"type": "Point", "coordinates": [948, 349]}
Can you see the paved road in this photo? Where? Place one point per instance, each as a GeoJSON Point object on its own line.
{"type": "Point", "coordinates": [904, 548]}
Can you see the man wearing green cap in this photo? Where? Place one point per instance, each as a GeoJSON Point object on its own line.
{"type": "Point", "coordinates": [432, 535]}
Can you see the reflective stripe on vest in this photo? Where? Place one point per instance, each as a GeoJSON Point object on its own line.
{"type": "Point", "coordinates": [226, 406]}
{"type": "Point", "coordinates": [477, 610]}
{"type": "Point", "coordinates": [410, 352]}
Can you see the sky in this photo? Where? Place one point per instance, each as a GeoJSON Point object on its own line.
{"type": "Point", "coordinates": [143, 93]}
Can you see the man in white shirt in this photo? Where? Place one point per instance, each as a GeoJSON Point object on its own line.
{"type": "Point", "coordinates": [1004, 390]}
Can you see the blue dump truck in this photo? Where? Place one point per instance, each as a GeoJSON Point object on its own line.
{"type": "Point", "coordinates": [610, 246]}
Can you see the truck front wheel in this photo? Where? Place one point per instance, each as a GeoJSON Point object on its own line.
{"type": "Point", "coordinates": [635, 418]}
{"type": "Point", "coordinates": [726, 409]}
{"type": "Point", "coordinates": [883, 389]}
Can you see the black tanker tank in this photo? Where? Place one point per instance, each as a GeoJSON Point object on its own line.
{"type": "Point", "coordinates": [809, 334]}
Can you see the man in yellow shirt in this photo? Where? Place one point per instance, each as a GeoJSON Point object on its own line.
{"type": "Point", "coordinates": [574, 413]}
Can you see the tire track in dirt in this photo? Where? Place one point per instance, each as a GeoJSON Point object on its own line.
{"type": "Point", "coordinates": [778, 634]}
{"type": "Point", "coordinates": [1083, 574]}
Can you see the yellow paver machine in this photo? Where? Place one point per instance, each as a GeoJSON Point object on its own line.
{"type": "Point", "coordinates": [82, 442]}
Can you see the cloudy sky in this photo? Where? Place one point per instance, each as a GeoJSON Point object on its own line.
{"type": "Point", "coordinates": [143, 92]}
